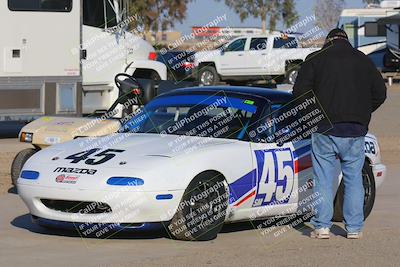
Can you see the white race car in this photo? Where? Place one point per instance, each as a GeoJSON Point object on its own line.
{"type": "Point", "coordinates": [190, 160]}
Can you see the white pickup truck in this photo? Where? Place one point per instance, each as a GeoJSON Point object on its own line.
{"type": "Point", "coordinates": [251, 58]}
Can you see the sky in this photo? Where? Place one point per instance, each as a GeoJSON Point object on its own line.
{"type": "Point", "coordinates": [201, 12]}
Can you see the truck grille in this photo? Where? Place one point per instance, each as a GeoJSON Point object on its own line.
{"type": "Point", "coordinates": [82, 207]}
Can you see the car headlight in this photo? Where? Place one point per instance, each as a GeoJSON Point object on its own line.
{"type": "Point", "coordinates": [125, 181]}
{"type": "Point", "coordinates": [26, 137]}
{"type": "Point", "coordinates": [30, 175]}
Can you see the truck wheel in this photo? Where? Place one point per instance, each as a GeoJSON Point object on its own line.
{"type": "Point", "coordinates": [202, 210]}
{"type": "Point", "coordinates": [19, 162]}
{"type": "Point", "coordinates": [369, 194]}
{"type": "Point", "coordinates": [291, 73]}
{"type": "Point", "coordinates": [208, 76]}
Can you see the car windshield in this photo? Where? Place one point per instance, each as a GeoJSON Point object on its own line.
{"type": "Point", "coordinates": [218, 116]}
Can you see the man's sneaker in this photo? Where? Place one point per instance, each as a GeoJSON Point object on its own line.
{"type": "Point", "coordinates": [321, 233]}
{"type": "Point", "coordinates": [356, 235]}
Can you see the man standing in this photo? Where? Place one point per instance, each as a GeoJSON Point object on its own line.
{"type": "Point", "coordinates": [349, 88]}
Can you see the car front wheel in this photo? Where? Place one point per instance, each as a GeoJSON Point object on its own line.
{"type": "Point", "coordinates": [208, 76]}
{"type": "Point", "coordinates": [292, 73]}
{"type": "Point", "coordinates": [201, 213]}
{"type": "Point", "coordinates": [19, 162]}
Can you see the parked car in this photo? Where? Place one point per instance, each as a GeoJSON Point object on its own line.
{"type": "Point", "coordinates": [50, 130]}
{"type": "Point", "coordinates": [179, 64]}
{"type": "Point", "coordinates": [188, 162]}
{"type": "Point", "coordinates": [250, 58]}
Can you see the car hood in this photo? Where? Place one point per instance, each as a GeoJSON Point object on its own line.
{"type": "Point", "coordinates": [53, 130]}
{"type": "Point", "coordinates": [136, 147]}
{"type": "Point", "coordinates": [153, 157]}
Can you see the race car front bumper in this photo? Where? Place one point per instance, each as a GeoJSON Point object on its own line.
{"type": "Point", "coordinates": [87, 206]}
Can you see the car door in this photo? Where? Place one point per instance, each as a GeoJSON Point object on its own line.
{"type": "Point", "coordinates": [283, 173]}
{"type": "Point", "coordinates": [232, 57]}
{"type": "Point", "coordinates": [283, 48]}
{"type": "Point", "coordinates": [257, 55]}
{"type": "Point", "coordinates": [276, 181]}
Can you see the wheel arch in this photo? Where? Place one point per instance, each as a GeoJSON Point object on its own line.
{"type": "Point", "coordinates": [214, 173]}
{"type": "Point", "coordinates": [206, 64]}
{"type": "Point", "coordinates": [368, 159]}
{"type": "Point", "coordinates": [291, 62]}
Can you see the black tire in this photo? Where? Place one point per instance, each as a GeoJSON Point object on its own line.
{"type": "Point", "coordinates": [369, 196]}
{"type": "Point", "coordinates": [291, 73]}
{"type": "Point", "coordinates": [19, 162]}
{"type": "Point", "coordinates": [201, 219]}
{"type": "Point", "coordinates": [208, 76]}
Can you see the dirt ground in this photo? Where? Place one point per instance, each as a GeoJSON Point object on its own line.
{"type": "Point", "coordinates": [22, 243]}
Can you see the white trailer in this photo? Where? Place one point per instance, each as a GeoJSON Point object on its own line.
{"type": "Point", "coordinates": [356, 21]}
{"type": "Point", "coordinates": [59, 57]}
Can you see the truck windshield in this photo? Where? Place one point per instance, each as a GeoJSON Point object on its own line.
{"type": "Point", "coordinates": [93, 14]}
{"type": "Point", "coordinates": [217, 116]}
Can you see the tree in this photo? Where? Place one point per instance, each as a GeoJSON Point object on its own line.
{"type": "Point", "coordinates": [275, 10]}
{"type": "Point", "coordinates": [371, 1]}
{"type": "Point", "coordinates": [327, 13]}
{"type": "Point", "coordinates": [158, 15]}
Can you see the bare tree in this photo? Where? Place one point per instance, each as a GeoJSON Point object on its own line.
{"type": "Point", "coordinates": [327, 13]}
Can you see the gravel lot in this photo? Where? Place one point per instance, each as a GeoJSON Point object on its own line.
{"type": "Point", "coordinates": [24, 244]}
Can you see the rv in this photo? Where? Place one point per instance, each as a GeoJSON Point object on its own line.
{"type": "Point", "coordinates": [391, 59]}
{"type": "Point", "coordinates": [60, 57]}
{"type": "Point", "coordinates": [355, 22]}
{"type": "Point", "coordinates": [392, 55]}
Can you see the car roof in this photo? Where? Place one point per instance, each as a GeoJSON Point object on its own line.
{"type": "Point", "coordinates": [274, 95]}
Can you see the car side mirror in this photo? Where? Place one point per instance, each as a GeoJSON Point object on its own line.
{"type": "Point", "coordinates": [222, 51]}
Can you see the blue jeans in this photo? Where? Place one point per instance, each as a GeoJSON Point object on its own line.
{"type": "Point", "coordinates": [350, 151]}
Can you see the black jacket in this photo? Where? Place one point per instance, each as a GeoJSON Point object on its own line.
{"type": "Point", "coordinates": [345, 81]}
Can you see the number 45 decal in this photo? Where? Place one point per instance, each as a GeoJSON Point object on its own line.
{"type": "Point", "coordinates": [275, 176]}
{"type": "Point", "coordinates": [99, 158]}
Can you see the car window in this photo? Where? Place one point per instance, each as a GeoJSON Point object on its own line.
{"type": "Point", "coordinates": [196, 115]}
{"type": "Point", "coordinates": [285, 42]}
{"type": "Point", "coordinates": [272, 124]}
{"type": "Point", "coordinates": [258, 43]}
{"type": "Point", "coordinates": [237, 45]}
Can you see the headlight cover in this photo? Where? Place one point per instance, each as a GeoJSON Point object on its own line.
{"type": "Point", "coordinates": [26, 137]}
{"type": "Point", "coordinates": [30, 175]}
{"type": "Point", "coordinates": [125, 181]}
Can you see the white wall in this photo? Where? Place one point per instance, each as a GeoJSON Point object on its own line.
{"type": "Point", "coordinates": [48, 41]}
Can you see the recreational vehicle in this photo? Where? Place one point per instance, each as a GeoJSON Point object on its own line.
{"type": "Point", "coordinates": [354, 22]}
{"type": "Point", "coordinates": [59, 57]}
{"type": "Point", "coordinates": [392, 55]}
{"type": "Point", "coordinates": [391, 59]}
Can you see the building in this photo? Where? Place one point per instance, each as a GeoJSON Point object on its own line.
{"type": "Point", "coordinates": [164, 37]}
{"type": "Point", "coordinates": [227, 33]}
